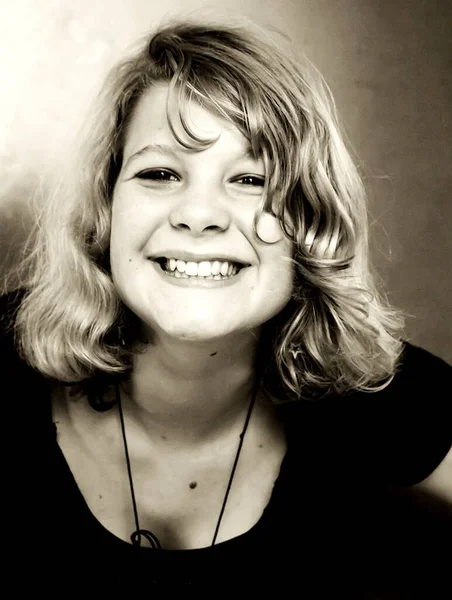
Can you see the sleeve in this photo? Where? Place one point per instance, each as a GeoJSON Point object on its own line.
{"type": "Point", "coordinates": [13, 368]}
{"type": "Point", "coordinates": [24, 389]}
{"type": "Point", "coordinates": [10, 362]}
{"type": "Point", "coordinates": [395, 437]}
{"type": "Point", "coordinates": [410, 422]}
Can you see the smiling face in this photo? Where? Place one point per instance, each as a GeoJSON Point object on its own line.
{"type": "Point", "coordinates": [184, 256]}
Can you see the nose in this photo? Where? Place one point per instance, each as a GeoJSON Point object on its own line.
{"type": "Point", "coordinates": [200, 212]}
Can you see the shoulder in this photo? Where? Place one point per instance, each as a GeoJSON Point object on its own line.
{"type": "Point", "coordinates": [418, 366]}
{"type": "Point", "coordinates": [21, 385]}
{"type": "Point", "coordinates": [415, 412]}
{"type": "Point", "coordinates": [417, 404]}
{"type": "Point", "coordinates": [9, 304]}
{"type": "Point", "coordinates": [396, 436]}
{"type": "Point", "coordinates": [430, 380]}
{"type": "Point", "coordinates": [11, 363]}
{"type": "Point", "coordinates": [418, 399]}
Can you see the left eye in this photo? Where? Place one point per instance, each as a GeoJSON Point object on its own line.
{"type": "Point", "coordinates": [254, 180]}
{"type": "Point", "coordinates": [158, 175]}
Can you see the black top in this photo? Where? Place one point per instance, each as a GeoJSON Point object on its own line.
{"type": "Point", "coordinates": [342, 516]}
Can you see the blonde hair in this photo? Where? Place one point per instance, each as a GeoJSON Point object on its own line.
{"type": "Point", "coordinates": [336, 334]}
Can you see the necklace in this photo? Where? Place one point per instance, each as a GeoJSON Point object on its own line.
{"type": "Point", "coordinates": [148, 535]}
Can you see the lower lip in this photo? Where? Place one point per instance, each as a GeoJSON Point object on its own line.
{"type": "Point", "coordinates": [195, 282]}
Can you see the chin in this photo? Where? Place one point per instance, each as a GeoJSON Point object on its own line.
{"type": "Point", "coordinates": [196, 333]}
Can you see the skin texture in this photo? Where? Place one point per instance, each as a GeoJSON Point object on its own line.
{"type": "Point", "coordinates": [189, 390]}
{"type": "Point", "coordinates": [200, 206]}
{"type": "Point", "coordinates": [186, 400]}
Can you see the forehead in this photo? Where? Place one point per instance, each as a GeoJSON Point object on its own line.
{"type": "Point", "coordinates": [149, 121]}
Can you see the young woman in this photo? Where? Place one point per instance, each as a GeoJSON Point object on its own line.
{"type": "Point", "coordinates": [216, 390]}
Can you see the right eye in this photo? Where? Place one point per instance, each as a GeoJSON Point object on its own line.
{"type": "Point", "coordinates": [158, 175]}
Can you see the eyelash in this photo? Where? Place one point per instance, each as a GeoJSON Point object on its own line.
{"type": "Point", "coordinates": [155, 175]}
{"type": "Point", "coordinates": [259, 181]}
{"type": "Point", "coordinates": [152, 175]}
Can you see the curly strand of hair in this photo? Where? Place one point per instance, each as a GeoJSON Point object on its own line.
{"type": "Point", "coordinates": [337, 333]}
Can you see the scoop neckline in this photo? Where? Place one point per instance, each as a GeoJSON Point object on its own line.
{"type": "Point", "coordinates": [221, 546]}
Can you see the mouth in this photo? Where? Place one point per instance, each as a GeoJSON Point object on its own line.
{"type": "Point", "coordinates": [215, 269]}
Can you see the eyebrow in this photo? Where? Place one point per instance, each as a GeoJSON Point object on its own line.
{"type": "Point", "coordinates": [167, 150]}
{"type": "Point", "coordinates": [150, 148]}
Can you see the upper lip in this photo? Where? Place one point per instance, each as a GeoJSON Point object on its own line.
{"type": "Point", "coordinates": [192, 257]}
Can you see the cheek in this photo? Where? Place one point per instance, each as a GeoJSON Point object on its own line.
{"type": "Point", "coordinates": [278, 273]}
{"type": "Point", "coordinates": [131, 223]}
{"type": "Point", "coordinates": [127, 237]}
{"type": "Point", "coordinates": [281, 281]}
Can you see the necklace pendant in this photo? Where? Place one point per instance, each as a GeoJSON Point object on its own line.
{"type": "Point", "coordinates": [147, 535]}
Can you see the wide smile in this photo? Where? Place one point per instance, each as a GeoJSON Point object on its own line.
{"type": "Point", "coordinates": [213, 273]}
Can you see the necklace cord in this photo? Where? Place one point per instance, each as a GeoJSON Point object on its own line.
{"type": "Point", "coordinates": [136, 535]}
{"type": "Point", "coordinates": [148, 535]}
{"type": "Point", "coordinates": [234, 466]}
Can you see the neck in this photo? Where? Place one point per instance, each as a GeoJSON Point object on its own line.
{"type": "Point", "coordinates": [191, 391]}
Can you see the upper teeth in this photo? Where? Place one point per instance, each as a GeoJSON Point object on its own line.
{"type": "Point", "coordinates": [204, 268]}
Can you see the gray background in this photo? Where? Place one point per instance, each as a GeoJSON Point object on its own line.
{"type": "Point", "coordinates": [388, 63]}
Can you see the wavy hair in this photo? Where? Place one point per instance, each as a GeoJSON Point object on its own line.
{"type": "Point", "coordinates": [337, 333]}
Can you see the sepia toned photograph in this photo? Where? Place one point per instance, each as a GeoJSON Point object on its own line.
{"type": "Point", "coordinates": [226, 297]}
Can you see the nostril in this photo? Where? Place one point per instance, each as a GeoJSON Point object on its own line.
{"type": "Point", "coordinates": [207, 228]}
{"type": "Point", "coordinates": [198, 222]}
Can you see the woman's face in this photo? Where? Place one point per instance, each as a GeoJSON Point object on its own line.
{"type": "Point", "coordinates": [184, 256]}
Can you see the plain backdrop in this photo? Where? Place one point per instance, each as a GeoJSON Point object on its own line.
{"type": "Point", "coordinates": [388, 63]}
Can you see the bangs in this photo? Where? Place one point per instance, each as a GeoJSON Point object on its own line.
{"type": "Point", "coordinates": [236, 86]}
{"type": "Point", "coordinates": [338, 332]}
{"type": "Point", "coordinates": [242, 110]}
{"type": "Point", "coordinates": [288, 120]}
